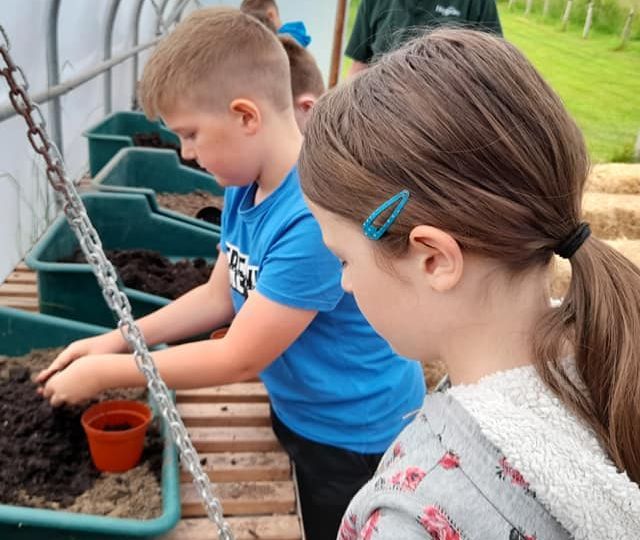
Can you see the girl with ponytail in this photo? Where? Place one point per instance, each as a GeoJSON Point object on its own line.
{"type": "Point", "coordinates": [445, 178]}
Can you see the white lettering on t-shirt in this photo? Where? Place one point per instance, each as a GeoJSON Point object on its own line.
{"type": "Point", "coordinates": [448, 11]}
{"type": "Point", "coordinates": [242, 276]}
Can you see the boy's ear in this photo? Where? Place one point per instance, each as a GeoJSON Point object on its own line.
{"type": "Point", "coordinates": [305, 102]}
{"type": "Point", "coordinates": [438, 255]}
{"type": "Point", "coordinates": [274, 16]}
{"type": "Point", "coordinates": [247, 114]}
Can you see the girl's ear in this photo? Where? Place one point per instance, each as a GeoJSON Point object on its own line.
{"type": "Point", "coordinates": [247, 113]}
{"type": "Point", "coordinates": [438, 255]}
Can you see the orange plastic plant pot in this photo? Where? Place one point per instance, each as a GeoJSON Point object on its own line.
{"type": "Point", "coordinates": [116, 431]}
{"type": "Point", "coordinates": [219, 333]}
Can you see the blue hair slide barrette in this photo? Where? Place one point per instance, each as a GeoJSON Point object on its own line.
{"type": "Point", "coordinates": [375, 233]}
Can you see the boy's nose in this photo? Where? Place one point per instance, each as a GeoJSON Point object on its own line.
{"type": "Point", "coordinates": [187, 151]}
{"type": "Point", "coordinates": [346, 283]}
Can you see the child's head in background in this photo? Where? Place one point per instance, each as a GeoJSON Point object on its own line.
{"type": "Point", "coordinates": [265, 10]}
{"type": "Point", "coordinates": [483, 170]}
{"type": "Point", "coordinates": [264, 19]}
{"type": "Point", "coordinates": [306, 79]}
{"type": "Point", "coordinates": [221, 81]}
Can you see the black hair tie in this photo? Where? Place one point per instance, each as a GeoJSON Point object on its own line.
{"type": "Point", "coordinates": [568, 248]}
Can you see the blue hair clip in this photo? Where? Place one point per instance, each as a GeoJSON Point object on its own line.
{"type": "Point", "coordinates": [375, 233]}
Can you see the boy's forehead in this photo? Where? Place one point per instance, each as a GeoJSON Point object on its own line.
{"type": "Point", "coordinates": [186, 115]}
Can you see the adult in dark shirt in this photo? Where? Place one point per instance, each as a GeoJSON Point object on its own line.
{"type": "Point", "coordinates": [383, 25]}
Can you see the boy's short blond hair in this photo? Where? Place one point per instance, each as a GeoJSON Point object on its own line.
{"type": "Point", "coordinates": [305, 73]}
{"type": "Point", "coordinates": [211, 58]}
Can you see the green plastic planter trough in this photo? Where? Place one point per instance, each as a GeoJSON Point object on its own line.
{"type": "Point", "coordinates": [116, 131]}
{"type": "Point", "coordinates": [149, 171]}
{"type": "Point", "coordinates": [21, 332]}
{"type": "Point", "coordinates": [123, 221]}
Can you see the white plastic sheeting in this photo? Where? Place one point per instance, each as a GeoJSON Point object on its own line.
{"type": "Point", "coordinates": [26, 202]}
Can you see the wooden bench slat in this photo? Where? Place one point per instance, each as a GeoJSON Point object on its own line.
{"type": "Point", "coordinates": [245, 467]}
{"type": "Point", "coordinates": [25, 278]}
{"type": "Point", "coordinates": [229, 393]}
{"type": "Point", "coordinates": [18, 289]}
{"type": "Point", "coordinates": [18, 302]}
{"type": "Point", "coordinates": [234, 439]}
{"type": "Point", "coordinates": [278, 527]}
{"type": "Point", "coordinates": [239, 498]}
{"type": "Point", "coordinates": [225, 414]}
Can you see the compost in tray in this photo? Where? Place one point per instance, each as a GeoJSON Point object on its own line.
{"type": "Point", "coordinates": [44, 455]}
{"type": "Point", "coordinates": [190, 204]}
{"type": "Point", "coordinates": [150, 272]}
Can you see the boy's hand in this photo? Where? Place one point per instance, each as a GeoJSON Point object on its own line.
{"type": "Point", "coordinates": [79, 382]}
{"type": "Point", "coordinates": [84, 347]}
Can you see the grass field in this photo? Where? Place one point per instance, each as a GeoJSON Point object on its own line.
{"type": "Point", "coordinates": [599, 84]}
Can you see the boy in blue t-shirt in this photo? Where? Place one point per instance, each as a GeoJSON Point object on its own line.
{"type": "Point", "coordinates": [220, 80]}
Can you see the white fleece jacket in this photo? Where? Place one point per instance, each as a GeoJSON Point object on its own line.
{"type": "Point", "coordinates": [557, 454]}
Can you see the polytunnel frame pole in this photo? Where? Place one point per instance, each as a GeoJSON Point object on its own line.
{"type": "Point", "coordinates": [176, 12]}
{"type": "Point", "coordinates": [108, 39]}
{"type": "Point", "coordinates": [136, 37]}
{"type": "Point", "coordinates": [159, 19]}
{"type": "Point", "coordinates": [53, 73]}
{"type": "Point", "coordinates": [7, 111]}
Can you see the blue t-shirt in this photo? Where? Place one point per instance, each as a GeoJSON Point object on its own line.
{"type": "Point", "coordinates": [339, 383]}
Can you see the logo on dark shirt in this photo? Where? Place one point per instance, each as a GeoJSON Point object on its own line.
{"type": "Point", "coordinates": [242, 276]}
{"type": "Point", "coordinates": [449, 11]}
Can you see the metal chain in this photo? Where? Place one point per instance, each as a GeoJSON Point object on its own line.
{"type": "Point", "coordinates": [105, 273]}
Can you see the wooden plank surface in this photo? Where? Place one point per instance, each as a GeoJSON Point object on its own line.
{"type": "Point", "coordinates": [19, 302]}
{"type": "Point", "coordinates": [17, 289]}
{"type": "Point", "coordinates": [280, 527]}
{"type": "Point", "coordinates": [244, 466]}
{"type": "Point", "coordinates": [225, 414]}
{"type": "Point", "coordinates": [229, 393]}
{"type": "Point", "coordinates": [243, 498]}
{"type": "Point", "coordinates": [20, 289]}
{"type": "Point", "coordinates": [234, 439]}
{"type": "Point", "coordinates": [26, 278]}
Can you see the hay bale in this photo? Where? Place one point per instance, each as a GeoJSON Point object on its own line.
{"type": "Point", "coordinates": [615, 178]}
{"type": "Point", "coordinates": [434, 370]}
{"type": "Point", "coordinates": [562, 269]}
{"type": "Point", "coordinates": [611, 215]}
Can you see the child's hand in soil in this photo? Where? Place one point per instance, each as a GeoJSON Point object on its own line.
{"type": "Point", "coordinates": [78, 382]}
{"type": "Point", "coordinates": [104, 344]}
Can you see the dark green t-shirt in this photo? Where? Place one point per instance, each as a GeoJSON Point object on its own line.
{"type": "Point", "coordinates": [383, 25]}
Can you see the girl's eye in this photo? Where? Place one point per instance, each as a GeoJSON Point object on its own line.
{"type": "Point", "coordinates": [343, 263]}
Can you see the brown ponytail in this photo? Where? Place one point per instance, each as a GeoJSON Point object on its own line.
{"type": "Point", "coordinates": [600, 316]}
{"type": "Point", "coordinates": [490, 155]}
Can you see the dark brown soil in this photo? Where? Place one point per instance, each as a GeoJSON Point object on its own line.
{"type": "Point", "coordinates": [117, 427]}
{"type": "Point", "coordinates": [153, 140]}
{"type": "Point", "coordinates": [44, 455]}
{"type": "Point", "coordinates": [190, 204]}
{"type": "Point", "coordinates": [150, 272]}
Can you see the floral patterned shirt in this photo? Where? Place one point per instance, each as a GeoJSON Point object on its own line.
{"type": "Point", "coordinates": [443, 479]}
